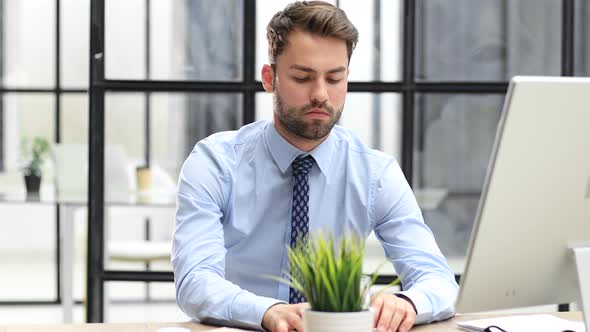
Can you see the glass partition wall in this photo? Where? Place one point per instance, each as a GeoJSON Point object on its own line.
{"type": "Point", "coordinates": [40, 73]}
{"type": "Point", "coordinates": [148, 79]}
{"type": "Point", "coordinates": [427, 83]}
{"type": "Point", "coordinates": [173, 75]}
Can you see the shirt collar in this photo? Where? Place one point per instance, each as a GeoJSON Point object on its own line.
{"type": "Point", "coordinates": [284, 153]}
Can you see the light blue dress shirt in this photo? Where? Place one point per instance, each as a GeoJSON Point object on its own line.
{"type": "Point", "coordinates": [233, 222]}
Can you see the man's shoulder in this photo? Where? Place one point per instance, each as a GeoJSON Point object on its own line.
{"type": "Point", "coordinates": [230, 142]}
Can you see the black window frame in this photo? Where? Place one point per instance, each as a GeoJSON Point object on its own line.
{"type": "Point", "coordinates": [408, 87]}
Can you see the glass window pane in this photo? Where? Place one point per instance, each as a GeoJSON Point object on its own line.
{"type": "Point", "coordinates": [181, 120]}
{"type": "Point", "coordinates": [582, 39]}
{"type": "Point", "coordinates": [125, 39]}
{"type": "Point", "coordinates": [74, 118]}
{"type": "Point", "coordinates": [376, 57]}
{"type": "Point", "coordinates": [264, 106]}
{"type": "Point", "coordinates": [25, 115]}
{"type": "Point", "coordinates": [189, 40]}
{"type": "Point", "coordinates": [487, 40]}
{"type": "Point", "coordinates": [378, 54]}
{"type": "Point", "coordinates": [375, 118]}
{"type": "Point", "coordinates": [124, 122]}
{"type": "Point", "coordinates": [28, 37]}
{"type": "Point", "coordinates": [177, 122]}
{"type": "Point", "coordinates": [28, 257]}
{"type": "Point", "coordinates": [75, 21]}
{"type": "Point", "coordinates": [454, 138]}
{"type": "Point", "coordinates": [72, 178]}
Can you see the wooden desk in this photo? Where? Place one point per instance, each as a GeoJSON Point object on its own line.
{"type": "Point", "coordinates": [449, 325]}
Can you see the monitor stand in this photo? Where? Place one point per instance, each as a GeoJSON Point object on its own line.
{"type": "Point", "coordinates": [582, 255]}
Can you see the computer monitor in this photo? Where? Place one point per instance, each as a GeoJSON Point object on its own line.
{"type": "Point", "coordinates": [535, 203]}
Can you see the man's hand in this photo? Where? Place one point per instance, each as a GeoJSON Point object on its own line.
{"type": "Point", "coordinates": [392, 313]}
{"type": "Point", "coordinates": [284, 317]}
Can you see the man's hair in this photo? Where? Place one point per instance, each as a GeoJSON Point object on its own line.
{"type": "Point", "coordinates": [316, 17]}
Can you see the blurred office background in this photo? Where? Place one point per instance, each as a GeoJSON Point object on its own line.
{"type": "Point", "coordinates": [428, 79]}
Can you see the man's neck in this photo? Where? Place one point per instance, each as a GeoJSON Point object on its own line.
{"type": "Point", "coordinates": [301, 143]}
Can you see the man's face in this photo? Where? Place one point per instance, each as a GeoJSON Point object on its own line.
{"type": "Point", "coordinates": [310, 85]}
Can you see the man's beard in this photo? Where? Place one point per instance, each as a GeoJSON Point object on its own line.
{"type": "Point", "coordinates": [291, 118]}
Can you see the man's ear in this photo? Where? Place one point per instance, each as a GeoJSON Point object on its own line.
{"type": "Point", "coordinates": [268, 78]}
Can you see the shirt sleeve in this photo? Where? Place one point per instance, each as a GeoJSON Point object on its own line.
{"type": "Point", "coordinates": [198, 253]}
{"type": "Point", "coordinates": [410, 245]}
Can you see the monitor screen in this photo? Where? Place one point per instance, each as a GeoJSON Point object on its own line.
{"type": "Point", "coordinates": [535, 203]}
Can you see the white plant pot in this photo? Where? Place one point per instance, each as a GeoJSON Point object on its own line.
{"type": "Point", "coordinates": [319, 321]}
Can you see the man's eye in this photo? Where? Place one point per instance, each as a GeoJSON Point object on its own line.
{"type": "Point", "coordinates": [301, 79]}
{"type": "Point", "coordinates": [333, 81]}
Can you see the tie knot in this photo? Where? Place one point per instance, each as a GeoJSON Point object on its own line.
{"type": "Point", "coordinates": [302, 165]}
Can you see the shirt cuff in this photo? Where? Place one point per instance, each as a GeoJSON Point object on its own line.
{"type": "Point", "coordinates": [247, 309]}
{"type": "Point", "coordinates": [421, 304]}
{"type": "Point", "coordinates": [402, 296]}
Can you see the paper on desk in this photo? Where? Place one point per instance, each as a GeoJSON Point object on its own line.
{"type": "Point", "coordinates": [524, 323]}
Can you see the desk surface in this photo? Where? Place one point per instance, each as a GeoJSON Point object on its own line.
{"type": "Point", "coordinates": [131, 198]}
{"type": "Point", "coordinates": [449, 325]}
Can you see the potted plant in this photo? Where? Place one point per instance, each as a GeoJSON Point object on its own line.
{"type": "Point", "coordinates": [34, 154]}
{"type": "Point", "coordinates": [329, 274]}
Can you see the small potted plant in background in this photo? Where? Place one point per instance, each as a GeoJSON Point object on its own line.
{"type": "Point", "coordinates": [329, 274]}
{"type": "Point", "coordinates": [34, 154]}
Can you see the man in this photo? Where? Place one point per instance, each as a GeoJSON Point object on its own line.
{"type": "Point", "coordinates": [236, 191]}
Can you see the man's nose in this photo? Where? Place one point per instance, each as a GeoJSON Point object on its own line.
{"type": "Point", "coordinates": [319, 92]}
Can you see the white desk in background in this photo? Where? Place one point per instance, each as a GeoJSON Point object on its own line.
{"type": "Point", "coordinates": [68, 206]}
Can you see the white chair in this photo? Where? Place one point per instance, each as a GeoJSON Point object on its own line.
{"type": "Point", "coordinates": [145, 251]}
{"type": "Point", "coordinates": [140, 251]}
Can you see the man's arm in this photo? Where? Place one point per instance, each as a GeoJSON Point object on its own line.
{"type": "Point", "coordinates": [426, 277]}
{"type": "Point", "coordinates": [198, 254]}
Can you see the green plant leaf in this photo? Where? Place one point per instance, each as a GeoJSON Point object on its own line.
{"type": "Point", "coordinates": [33, 154]}
{"type": "Point", "coordinates": [328, 272]}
